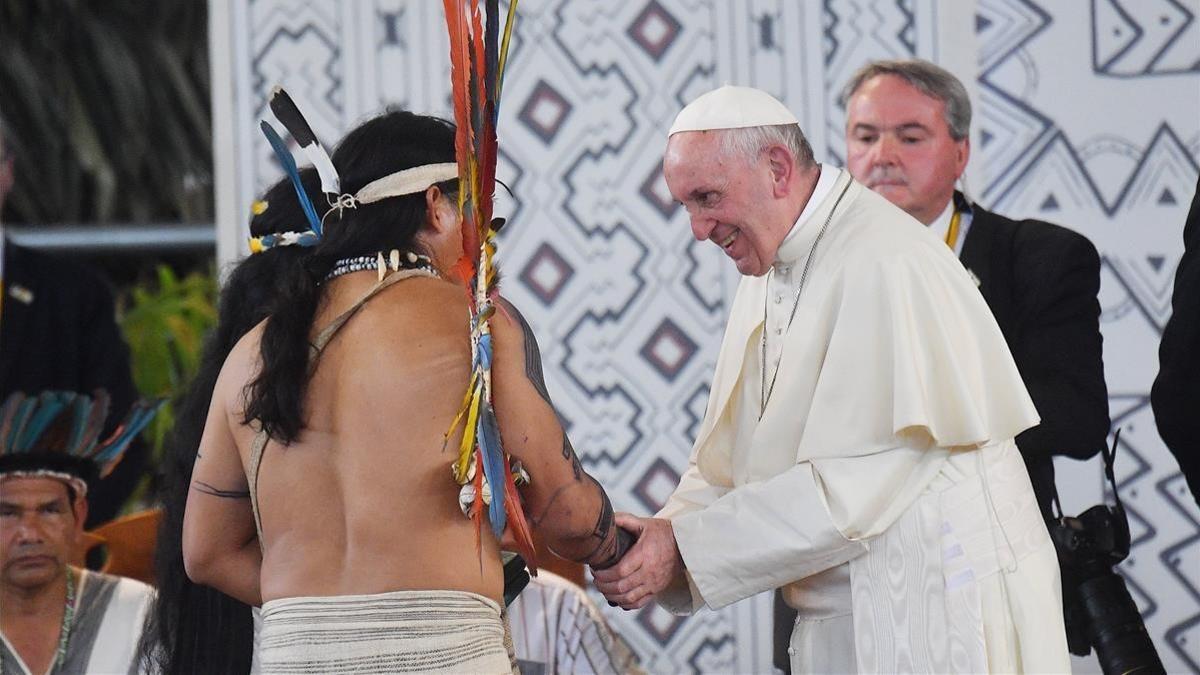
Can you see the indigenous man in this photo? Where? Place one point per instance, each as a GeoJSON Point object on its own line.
{"type": "Point", "coordinates": [857, 449]}
{"type": "Point", "coordinates": [54, 617]}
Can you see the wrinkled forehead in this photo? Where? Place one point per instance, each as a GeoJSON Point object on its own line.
{"type": "Point", "coordinates": [694, 145]}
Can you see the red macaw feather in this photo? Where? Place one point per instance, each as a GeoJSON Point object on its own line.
{"type": "Point", "coordinates": [460, 77]}
{"type": "Point", "coordinates": [516, 520]}
{"type": "Point", "coordinates": [478, 513]}
{"type": "Point", "coordinates": [464, 271]}
{"type": "Point", "coordinates": [487, 169]}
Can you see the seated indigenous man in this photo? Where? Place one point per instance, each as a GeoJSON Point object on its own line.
{"type": "Point", "coordinates": [54, 617]}
{"type": "Point", "coordinates": [323, 488]}
{"type": "Point", "coordinates": [556, 628]}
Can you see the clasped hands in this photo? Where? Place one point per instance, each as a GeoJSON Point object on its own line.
{"type": "Point", "coordinates": [648, 567]}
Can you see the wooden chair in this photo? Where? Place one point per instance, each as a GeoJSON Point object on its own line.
{"type": "Point", "coordinates": [130, 542]}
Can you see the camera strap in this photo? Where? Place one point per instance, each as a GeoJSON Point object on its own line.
{"type": "Point", "coordinates": [1109, 456]}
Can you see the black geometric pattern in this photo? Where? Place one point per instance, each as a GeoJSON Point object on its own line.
{"type": "Point", "coordinates": [654, 30]}
{"type": "Point", "coordinates": [629, 310]}
{"type": "Point", "coordinates": [546, 273]}
{"type": "Point", "coordinates": [1135, 38]}
{"type": "Point", "coordinates": [656, 485]}
{"type": "Point", "coordinates": [1124, 178]}
{"type": "Point", "coordinates": [544, 112]}
{"type": "Point", "coordinates": [668, 350]}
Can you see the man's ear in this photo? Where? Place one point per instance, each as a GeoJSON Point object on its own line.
{"type": "Point", "coordinates": [963, 155]}
{"type": "Point", "coordinates": [438, 210]}
{"type": "Point", "coordinates": [80, 507]}
{"type": "Point", "coordinates": [782, 165]}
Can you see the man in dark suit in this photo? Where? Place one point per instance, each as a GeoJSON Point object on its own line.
{"type": "Point", "coordinates": [907, 137]}
{"type": "Point", "coordinates": [1176, 394]}
{"type": "Point", "coordinates": [58, 331]}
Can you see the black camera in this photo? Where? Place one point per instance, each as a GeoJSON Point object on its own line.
{"type": "Point", "coordinates": [1098, 610]}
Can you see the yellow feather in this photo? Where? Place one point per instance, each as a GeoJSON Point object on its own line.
{"type": "Point", "coordinates": [468, 439]}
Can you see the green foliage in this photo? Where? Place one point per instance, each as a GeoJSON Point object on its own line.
{"type": "Point", "coordinates": [165, 325]}
{"type": "Point", "coordinates": [108, 109]}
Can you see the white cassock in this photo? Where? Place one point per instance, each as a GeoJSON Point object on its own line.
{"type": "Point", "coordinates": [881, 489]}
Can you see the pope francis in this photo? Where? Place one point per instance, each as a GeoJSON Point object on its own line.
{"type": "Point", "coordinates": [857, 450]}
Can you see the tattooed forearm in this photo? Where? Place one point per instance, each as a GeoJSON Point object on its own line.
{"type": "Point", "coordinates": [533, 355]}
{"type": "Point", "coordinates": [568, 453]}
{"type": "Point", "coordinates": [539, 517]}
{"type": "Point", "coordinates": [612, 542]}
{"type": "Point", "coordinates": [217, 492]}
{"type": "Point", "coordinates": [533, 371]}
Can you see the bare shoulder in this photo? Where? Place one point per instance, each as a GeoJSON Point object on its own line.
{"type": "Point", "coordinates": [511, 329]}
{"type": "Point", "coordinates": [239, 370]}
{"type": "Point", "coordinates": [439, 303]}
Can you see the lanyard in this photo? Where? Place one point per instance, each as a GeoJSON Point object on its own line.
{"type": "Point", "coordinates": [952, 231]}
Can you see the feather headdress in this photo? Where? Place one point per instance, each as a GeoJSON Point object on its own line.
{"type": "Point", "coordinates": [403, 182]}
{"type": "Point", "coordinates": [478, 53]}
{"type": "Point", "coordinates": [292, 119]}
{"type": "Point", "coordinates": [57, 434]}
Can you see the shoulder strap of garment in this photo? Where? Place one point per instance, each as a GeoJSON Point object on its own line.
{"type": "Point", "coordinates": [256, 454]}
{"type": "Point", "coordinates": [329, 331]}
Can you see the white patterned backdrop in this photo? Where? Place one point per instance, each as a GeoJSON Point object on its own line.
{"type": "Point", "coordinates": [1088, 114]}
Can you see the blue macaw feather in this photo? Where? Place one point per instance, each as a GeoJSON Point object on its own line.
{"type": "Point", "coordinates": [289, 166]}
{"type": "Point", "coordinates": [50, 404]}
{"type": "Point", "coordinates": [305, 239]}
{"type": "Point", "coordinates": [23, 412]}
{"type": "Point", "coordinates": [493, 466]}
{"type": "Point", "coordinates": [485, 351]}
{"type": "Point", "coordinates": [80, 409]}
{"type": "Point", "coordinates": [95, 423]}
{"type": "Point", "coordinates": [133, 424]}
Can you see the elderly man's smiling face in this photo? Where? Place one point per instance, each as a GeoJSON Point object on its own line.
{"type": "Point", "coordinates": [730, 201]}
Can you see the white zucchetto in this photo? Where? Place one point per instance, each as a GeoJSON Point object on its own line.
{"type": "Point", "coordinates": [731, 107]}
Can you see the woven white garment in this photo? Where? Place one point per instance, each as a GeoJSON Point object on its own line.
{"type": "Point", "coordinates": [397, 632]}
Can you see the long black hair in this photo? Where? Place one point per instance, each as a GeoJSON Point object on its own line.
{"type": "Point", "coordinates": [194, 628]}
{"type": "Point", "coordinates": [391, 142]}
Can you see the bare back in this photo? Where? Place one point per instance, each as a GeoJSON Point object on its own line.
{"type": "Point", "coordinates": [363, 502]}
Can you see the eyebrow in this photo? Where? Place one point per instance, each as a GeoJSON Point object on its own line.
{"type": "Point", "coordinates": [907, 126]}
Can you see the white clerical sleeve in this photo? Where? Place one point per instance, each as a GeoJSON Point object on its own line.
{"type": "Point", "coordinates": [693, 494]}
{"type": "Point", "coordinates": [760, 536]}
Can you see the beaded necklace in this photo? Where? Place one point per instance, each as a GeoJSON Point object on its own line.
{"type": "Point", "coordinates": [395, 261]}
{"type": "Point", "coordinates": [64, 631]}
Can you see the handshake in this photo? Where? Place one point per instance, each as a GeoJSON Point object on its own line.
{"type": "Point", "coordinates": [646, 568]}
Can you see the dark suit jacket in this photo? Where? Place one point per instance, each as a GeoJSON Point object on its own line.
{"type": "Point", "coordinates": [1041, 283]}
{"type": "Point", "coordinates": [58, 331]}
{"type": "Point", "coordinates": [1176, 394]}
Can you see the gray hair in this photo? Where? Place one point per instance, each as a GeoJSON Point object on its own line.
{"type": "Point", "coordinates": [930, 79]}
{"type": "Point", "coordinates": [748, 142]}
